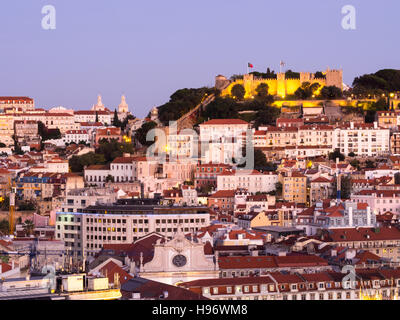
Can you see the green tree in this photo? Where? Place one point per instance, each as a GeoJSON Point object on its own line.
{"type": "Point", "coordinates": [28, 227]}
{"type": "Point", "coordinates": [355, 163]}
{"type": "Point", "coordinates": [260, 160]}
{"type": "Point", "coordinates": [262, 90]}
{"type": "Point", "coordinates": [220, 108]}
{"type": "Point", "coordinates": [113, 149]}
{"type": "Point", "coordinates": [141, 133]}
{"type": "Point", "coordinates": [292, 75]}
{"type": "Point", "coordinates": [48, 134]}
{"type": "Point", "coordinates": [77, 163]}
{"type": "Point", "coordinates": [267, 116]}
{"type": "Point", "coordinates": [369, 164]}
{"type": "Point", "coordinates": [116, 122]}
{"type": "Point", "coordinates": [306, 90]}
{"type": "Point", "coordinates": [336, 154]}
{"type": "Point", "coordinates": [278, 188]}
{"type": "Point", "coordinates": [109, 178]}
{"type": "Point", "coordinates": [181, 102]}
{"type": "Point", "coordinates": [331, 92]}
{"type": "Point", "coordinates": [238, 92]}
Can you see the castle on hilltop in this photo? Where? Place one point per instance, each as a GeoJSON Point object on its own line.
{"type": "Point", "coordinates": [280, 86]}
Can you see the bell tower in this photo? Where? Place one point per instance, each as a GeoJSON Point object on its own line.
{"type": "Point", "coordinates": [123, 107]}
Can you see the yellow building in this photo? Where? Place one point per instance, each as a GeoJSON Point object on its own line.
{"type": "Point", "coordinates": [280, 86]}
{"type": "Point", "coordinates": [294, 187]}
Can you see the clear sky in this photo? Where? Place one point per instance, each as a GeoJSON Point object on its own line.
{"type": "Point", "coordinates": [148, 49]}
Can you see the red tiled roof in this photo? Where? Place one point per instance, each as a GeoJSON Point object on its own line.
{"type": "Point", "coordinates": [223, 194]}
{"type": "Point", "coordinates": [363, 234]}
{"type": "Point", "coordinates": [224, 122]}
{"type": "Point", "coordinates": [111, 268]}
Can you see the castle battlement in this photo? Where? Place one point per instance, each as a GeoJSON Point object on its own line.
{"type": "Point", "coordinates": [281, 86]}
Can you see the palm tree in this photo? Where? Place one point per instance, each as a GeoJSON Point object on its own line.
{"type": "Point", "coordinates": [28, 227]}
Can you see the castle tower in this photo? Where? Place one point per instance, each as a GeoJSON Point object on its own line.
{"type": "Point", "coordinates": [281, 85]}
{"type": "Point", "coordinates": [221, 82]}
{"type": "Point", "coordinates": [305, 77]}
{"type": "Point", "coordinates": [123, 107]}
{"type": "Point", "coordinates": [334, 78]}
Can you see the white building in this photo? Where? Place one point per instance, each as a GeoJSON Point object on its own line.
{"type": "Point", "coordinates": [189, 196]}
{"type": "Point", "coordinates": [125, 224]}
{"type": "Point", "coordinates": [76, 136]}
{"type": "Point", "coordinates": [380, 201]}
{"type": "Point", "coordinates": [363, 139]}
{"type": "Point", "coordinates": [254, 181]}
{"type": "Point", "coordinates": [78, 199]}
{"type": "Point", "coordinates": [123, 169]}
{"type": "Point", "coordinates": [96, 175]}
{"type": "Point", "coordinates": [222, 140]}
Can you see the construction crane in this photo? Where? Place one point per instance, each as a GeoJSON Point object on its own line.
{"type": "Point", "coordinates": [70, 259]}
{"type": "Point", "coordinates": [11, 215]}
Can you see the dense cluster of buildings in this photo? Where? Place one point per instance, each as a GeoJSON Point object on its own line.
{"type": "Point", "coordinates": [322, 196]}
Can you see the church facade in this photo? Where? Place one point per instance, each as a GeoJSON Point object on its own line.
{"type": "Point", "coordinates": [179, 260]}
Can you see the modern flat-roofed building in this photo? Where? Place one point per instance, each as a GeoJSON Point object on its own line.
{"type": "Point", "coordinates": [84, 233]}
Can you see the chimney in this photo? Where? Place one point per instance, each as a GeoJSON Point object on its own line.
{"type": "Point", "coordinates": [350, 216]}
{"type": "Point", "coordinates": [375, 125]}
{"type": "Point", "coordinates": [352, 125]}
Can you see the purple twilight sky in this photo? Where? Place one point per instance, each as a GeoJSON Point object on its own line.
{"type": "Point", "coordinates": [148, 49]}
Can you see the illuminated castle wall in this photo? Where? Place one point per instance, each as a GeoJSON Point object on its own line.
{"type": "Point", "coordinates": [280, 86]}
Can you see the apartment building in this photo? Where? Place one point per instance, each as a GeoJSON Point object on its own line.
{"type": "Point", "coordinates": [388, 119]}
{"type": "Point", "coordinates": [90, 116]}
{"type": "Point", "coordinates": [23, 103]}
{"type": "Point", "coordinates": [315, 135]}
{"type": "Point", "coordinates": [61, 121]}
{"type": "Point", "coordinates": [77, 136]}
{"type": "Point", "coordinates": [108, 134]}
{"type": "Point", "coordinates": [381, 241]}
{"type": "Point", "coordinates": [326, 285]}
{"type": "Point", "coordinates": [362, 139]}
{"type": "Point", "coordinates": [380, 201]}
{"type": "Point", "coordinates": [206, 174]}
{"type": "Point", "coordinates": [96, 175]}
{"type": "Point", "coordinates": [294, 187]}
{"type": "Point", "coordinates": [183, 145]}
{"type": "Point", "coordinates": [222, 140]}
{"type": "Point", "coordinates": [252, 180]}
